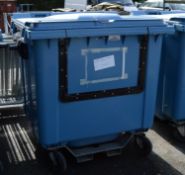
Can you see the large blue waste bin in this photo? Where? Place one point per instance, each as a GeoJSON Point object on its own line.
{"type": "Point", "coordinates": [171, 93]}
{"type": "Point", "coordinates": [96, 78]}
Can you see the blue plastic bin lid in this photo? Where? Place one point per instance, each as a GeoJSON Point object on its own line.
{"type": "Point", "coordinates": [72, 21]}
{"type": "Point", "coordinates": [79, 17]}
{"type": "Point", "coordinates": [178, 21]}
{"type": "Point", "coordinates": [166, 17]}
{"type": "Point", "coordinates": [90, 17]}
{"type": "Point", "coordinates": [71, 17]}
{"type": "Point", "coordinates": [33, 14]}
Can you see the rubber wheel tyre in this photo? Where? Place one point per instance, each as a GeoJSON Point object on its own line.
{"type": "Point", "coordinates": [143, 145]}
{"type": "Point", "coordinates": [179, 133]}
{"type": "Point", "coordinates": [59, 163]}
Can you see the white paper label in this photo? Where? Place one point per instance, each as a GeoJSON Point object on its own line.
{"type": "Point", "coordinates": [104, 62]}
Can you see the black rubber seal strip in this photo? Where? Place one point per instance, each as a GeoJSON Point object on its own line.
{"type": "Point", "coordinates": [63, 76]}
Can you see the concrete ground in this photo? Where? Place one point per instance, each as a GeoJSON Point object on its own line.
{"type": "Point", "coordinates": [20, 155]}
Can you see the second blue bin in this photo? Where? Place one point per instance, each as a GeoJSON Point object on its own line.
{"type": "Point", "coordinates": [171, 93]}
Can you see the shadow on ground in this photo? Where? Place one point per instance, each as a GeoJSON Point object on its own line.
{"type": "Point", "coordinates": [165, 130]}
{"type": "Point", "coordinates": [129, 163]}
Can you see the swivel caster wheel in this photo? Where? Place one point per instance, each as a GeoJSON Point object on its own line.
{"type": "Point", "coordinates": [179, 133]}
{"type": "Point", "coordinates": [59, 163]}
{"type": "Point", "coordinates": [143, 145]}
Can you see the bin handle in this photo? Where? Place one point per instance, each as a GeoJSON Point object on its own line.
{"type": "Point", "coordinates": [105, 21]}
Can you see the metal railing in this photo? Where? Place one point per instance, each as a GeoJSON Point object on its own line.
{"type": "Point", "coordinates": [11, 78]}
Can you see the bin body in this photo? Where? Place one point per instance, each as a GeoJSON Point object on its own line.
{"type": "Point", "coordinates": [171, 93]}
{"type": "Point", "coordinates": [96, 75]}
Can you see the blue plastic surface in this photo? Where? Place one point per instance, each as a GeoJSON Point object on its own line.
{"type": "Point", "coordinates": [163, 12]}
{"type": "Point", "coordinates": [171, 94]}
{"type": "Point", "coordinates": [33, 14]}
{"type": "Point", "coordinates": [156, 12]}
{"type": "Point", "coordinates": [102, 54]}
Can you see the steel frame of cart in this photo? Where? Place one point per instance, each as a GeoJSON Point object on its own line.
{"type": "Point", "coordinates": [11, 81]}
